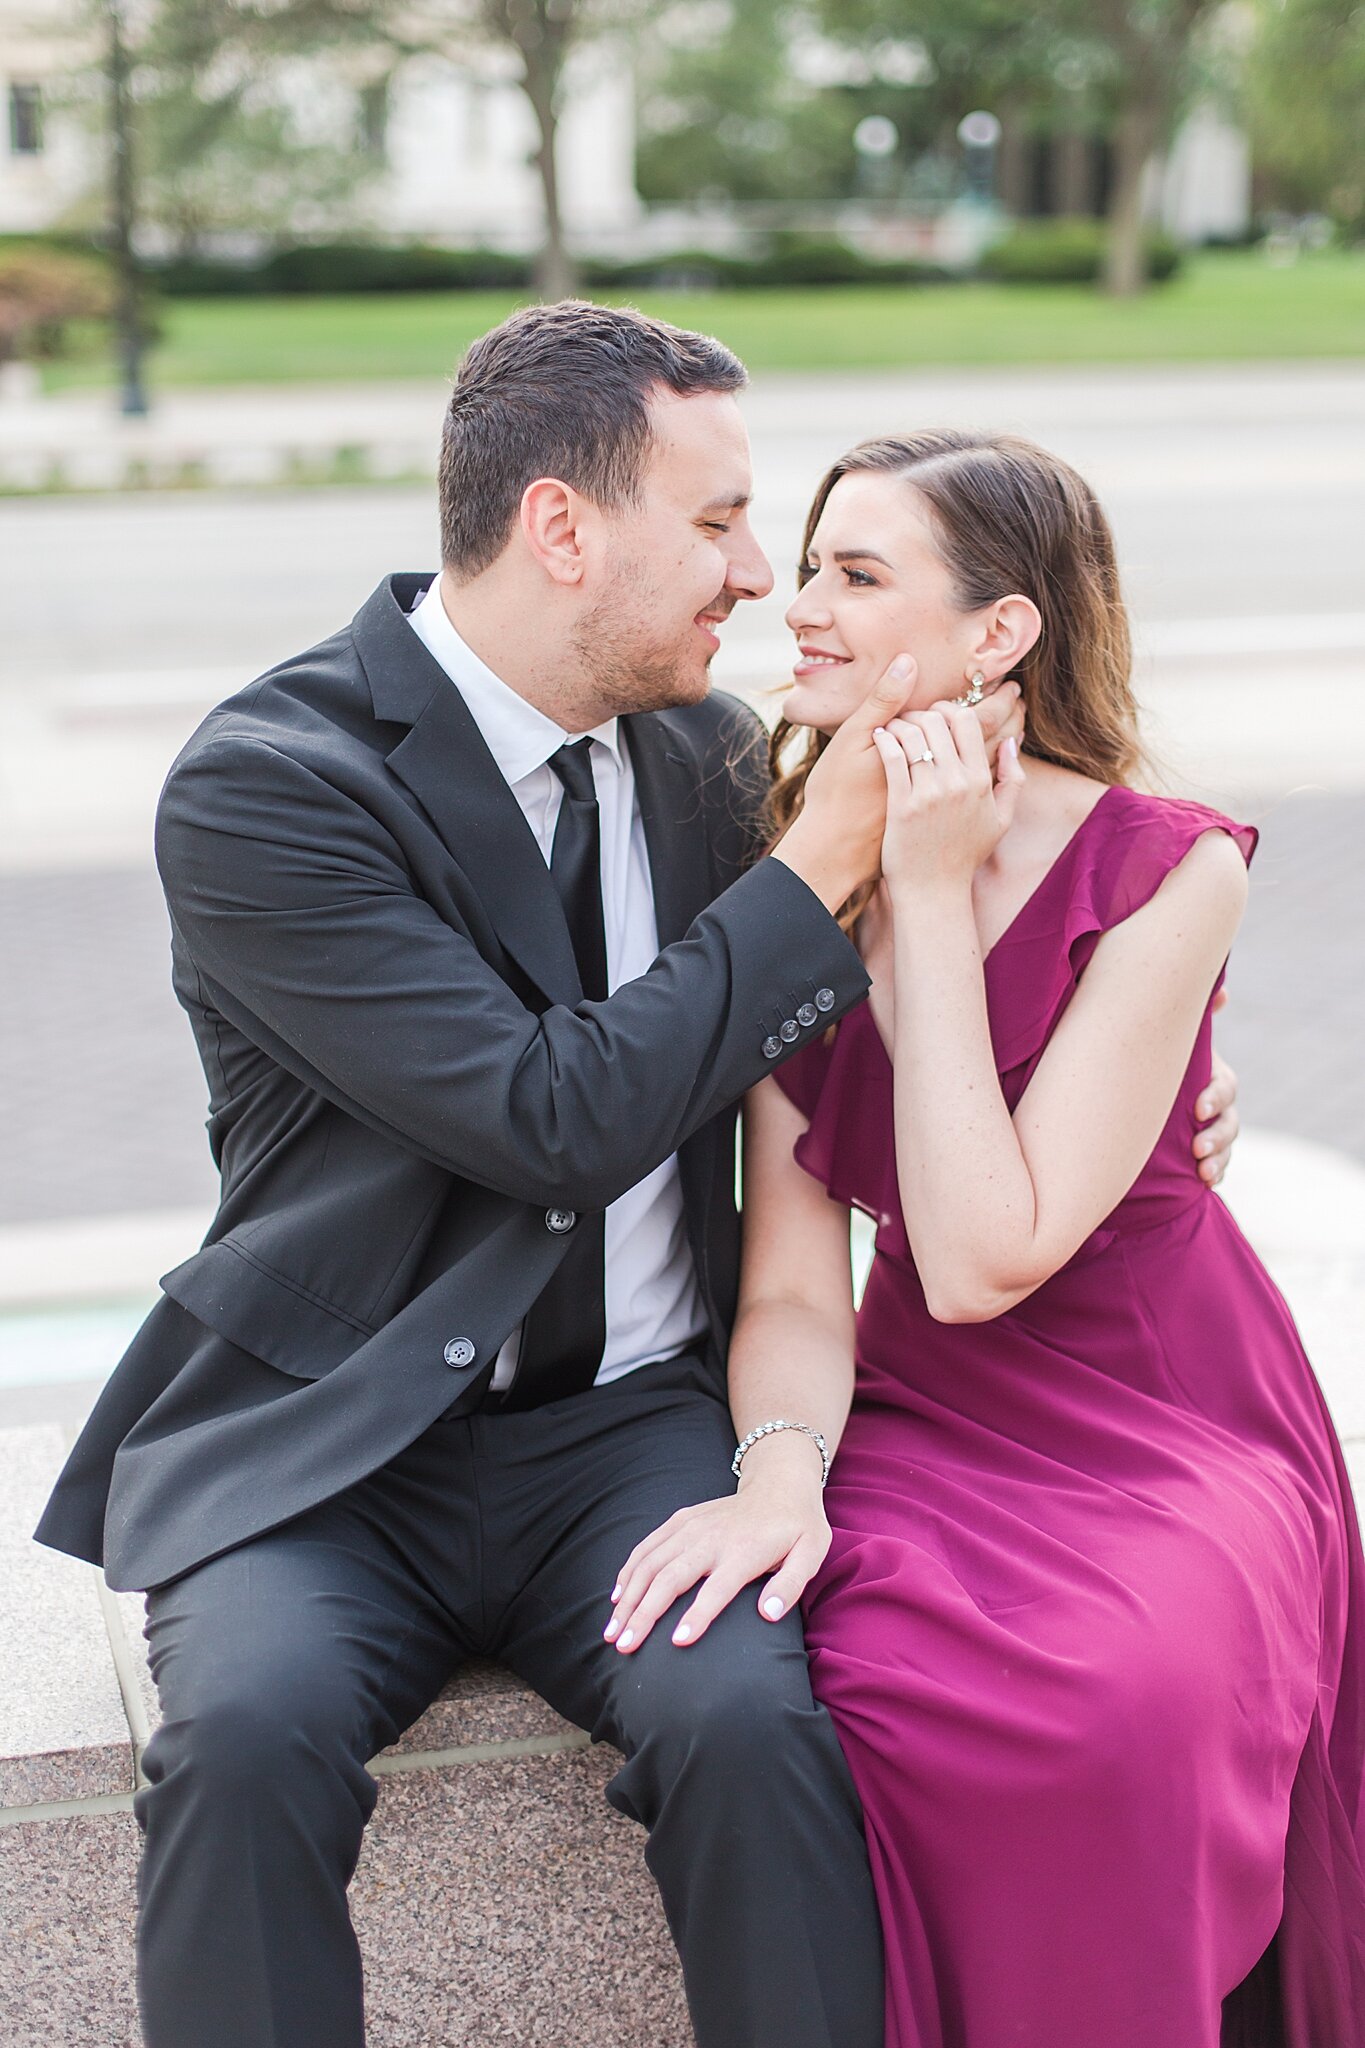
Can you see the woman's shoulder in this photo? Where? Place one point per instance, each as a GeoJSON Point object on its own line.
{"type": "Point", "coordinates": [1142, 838]}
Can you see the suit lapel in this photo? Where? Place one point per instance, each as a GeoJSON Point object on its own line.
{"type": "Point", "coordinates": [668, 784]}
{"type": "Point", "coordinates": [445, 763]}
{"type": "Point", "coordinates": [673, 812]}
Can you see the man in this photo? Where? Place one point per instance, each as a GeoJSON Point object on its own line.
{"type": "Point", "coordinates": [466, 921]}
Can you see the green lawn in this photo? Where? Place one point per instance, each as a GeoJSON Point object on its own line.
{"type": "Point", "coordinates": [1223, 307]}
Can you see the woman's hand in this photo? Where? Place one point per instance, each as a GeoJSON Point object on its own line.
{"type": "Point", "coordinates": [945, 812]}
{"type": "Point", "coordinates": [775, 1525]}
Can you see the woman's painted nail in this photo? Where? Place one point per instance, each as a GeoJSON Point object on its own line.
{"type": "Point", "coordinates": [616, 1590]}
{"type": "Point", "coordinates": [773, 1607]}
{"type": "Point", "coordinates": [682, 1633]}
{"type": "Point", "coordinates": [627, 1639]}
{"type": "Point", "coordinates": [610, 1630]}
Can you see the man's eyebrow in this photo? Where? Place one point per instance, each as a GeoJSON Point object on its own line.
{"type": "Point", "coordinates": [727, 503]}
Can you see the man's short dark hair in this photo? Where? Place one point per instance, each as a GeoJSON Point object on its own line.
{"type": "Point", "coordinates": [560, 391]}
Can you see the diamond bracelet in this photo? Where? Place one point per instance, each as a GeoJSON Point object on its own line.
{"type": "Point", "coordinates": [771, 1429]}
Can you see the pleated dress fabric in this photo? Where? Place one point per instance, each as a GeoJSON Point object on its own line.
{"type": "Point", "coordinates": [1091, 1624]}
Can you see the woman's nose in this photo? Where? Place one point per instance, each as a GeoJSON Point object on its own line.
{"type": "Point", "coordinates": [806, 609]}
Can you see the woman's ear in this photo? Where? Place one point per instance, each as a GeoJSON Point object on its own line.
{"type": "Point", "coordinates": [551, 525]}
{"type": "Point", "coordinates": [1009, 629]}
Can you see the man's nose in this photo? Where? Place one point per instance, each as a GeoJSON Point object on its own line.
{"type": "Point", "coordinates": [751, 573]}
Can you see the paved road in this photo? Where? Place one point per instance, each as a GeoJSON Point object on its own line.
{"type": "Point", "coordinates": [1239, 499]}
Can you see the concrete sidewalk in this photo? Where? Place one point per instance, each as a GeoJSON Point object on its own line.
{"type": "Point", "coordinates": [239, 435]}
{"type": "Point", "coordinates": [252, 434]}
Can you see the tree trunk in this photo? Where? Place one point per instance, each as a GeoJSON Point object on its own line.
{"type": "Point", "coordinates": [555, 276]}
{"type": "Point", "coordinates": [128, 320]}
{"type": "Point", "coordinates": [1125, 258]}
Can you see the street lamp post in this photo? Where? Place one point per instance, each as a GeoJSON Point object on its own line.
{"type": "Point", "coordinates": [128, 327]}
{"type": "Point", "coordinates": [979, 134]}
{"type": "Point", "coordinates": [875, 140]}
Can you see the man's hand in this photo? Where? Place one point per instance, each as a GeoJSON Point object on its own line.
{"type": "Point", "coordinates": [835, 843]}
{"type": "Point", "coordinates": [1000, 716]}
{"type": "Point", "coordinates": [1217, 1113]}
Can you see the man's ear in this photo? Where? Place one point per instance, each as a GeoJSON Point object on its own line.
{"type": "Point", "coordinates": [552, 519]}
{"type": "Point", "coordinates": [1009, 629]}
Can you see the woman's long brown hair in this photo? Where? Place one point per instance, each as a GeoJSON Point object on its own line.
{"type": "Point", "coordinates": [1008, 517]}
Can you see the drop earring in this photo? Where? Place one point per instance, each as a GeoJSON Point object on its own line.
{"type": "Point", "coordinates": [975, 692]}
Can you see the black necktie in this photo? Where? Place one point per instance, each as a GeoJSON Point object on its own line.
{"type": "Point", "coordinates": [576, 865]}
{"type": "Point", "coordinates": [566, 1326]}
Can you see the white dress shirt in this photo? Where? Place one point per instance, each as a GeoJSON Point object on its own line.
{"type": "Point", "coordinates": [654, 1305]}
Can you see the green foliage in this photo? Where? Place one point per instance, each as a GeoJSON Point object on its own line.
{"type": "Point", "coordinates": [783, 260]}
{"type": "Point", "coordinates": [42, 290]}
{"type": "Point", "coordinates": [334, 268]}
{"type": "Point", "coordinates": [1306, 101]}
{"type": "Point", "coordinates": [1067, 252]}
{"type": "Point", "coordinates": [219, 145]}
{"type": "Point", "coordinates": [722, 115]}
{"type": "Point", "coordinates": [331, 267]}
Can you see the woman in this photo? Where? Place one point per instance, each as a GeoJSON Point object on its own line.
{"type": "Point", "coordinates": [1083, 1592]}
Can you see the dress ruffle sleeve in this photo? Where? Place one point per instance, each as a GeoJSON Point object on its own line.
{"type": "Point", "coordinates": [1115, 864]}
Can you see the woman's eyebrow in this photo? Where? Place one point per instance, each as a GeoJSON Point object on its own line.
{"type": "Point", "coordinates": [860, 555]}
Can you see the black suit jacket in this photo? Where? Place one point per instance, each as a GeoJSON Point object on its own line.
{"type": "Point", "coordinates": [404, 1077]}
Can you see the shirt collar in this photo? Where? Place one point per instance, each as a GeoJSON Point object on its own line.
{"type": "Point", "coordinates": [518, 736]}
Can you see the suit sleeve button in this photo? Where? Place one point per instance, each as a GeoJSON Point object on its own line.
{"type": "Point", "coordinates": [824, 999]}
{"type": "Point", "coordinates": [771, 1048]}
{"type": "Point", "coordinates": [807, 1015]}
{"type": "Point", "coordinates": [560, 1220]}
{"type": "Point", "coordinates": [459, 1351]}
{"type": "Point", "coordinates": [789, 1031]}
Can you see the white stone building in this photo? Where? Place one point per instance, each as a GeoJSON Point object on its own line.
{"type": "Point", "coordinates": [455, 167]}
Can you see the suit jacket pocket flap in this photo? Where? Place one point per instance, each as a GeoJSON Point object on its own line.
{"type": "Point", "coordinates": [263, 1313]}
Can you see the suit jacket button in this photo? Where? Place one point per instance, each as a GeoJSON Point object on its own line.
{"type": "Point", "coordinates": [789, 1031]}
{"type": "Point", "coordinates": [824, 999]}
{"type": "Point", "coordinates": [771, 1048]}
{"type": "Point", "coordinates": [560, 1220]}
{"type": "Point", "coordinates": [807, 1015]}
{"type": "Point", "coordinates": [459, 1351]}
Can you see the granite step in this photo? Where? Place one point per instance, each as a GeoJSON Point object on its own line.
{"type": "Point", "coordinates": [498, 1898]}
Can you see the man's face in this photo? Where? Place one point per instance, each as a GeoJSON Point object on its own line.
{"type": "Point", "coordinates": [676, 564]}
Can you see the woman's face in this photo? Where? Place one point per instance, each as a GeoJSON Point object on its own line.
{"type": "Point", "coordinates": [877, 586]}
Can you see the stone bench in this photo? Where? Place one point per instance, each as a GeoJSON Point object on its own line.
{"type": "Point", "coordinates": [498, 1898]}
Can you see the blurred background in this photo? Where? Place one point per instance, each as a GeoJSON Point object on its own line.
{"type": "Point", "coordinates": [241, 250]}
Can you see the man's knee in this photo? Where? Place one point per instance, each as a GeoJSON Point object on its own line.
{"type": "Point", "coordinates": [736, 1703]}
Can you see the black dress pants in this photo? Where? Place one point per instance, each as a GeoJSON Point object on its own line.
{"type": "Point", "coordinates": [287, 1663]}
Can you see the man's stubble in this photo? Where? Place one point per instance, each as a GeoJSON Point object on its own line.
{"type": "Point", "coordinates": [630, 664]}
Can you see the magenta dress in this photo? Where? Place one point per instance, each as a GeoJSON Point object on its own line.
{"type": "Point", "coordinates": [1091, 1625]}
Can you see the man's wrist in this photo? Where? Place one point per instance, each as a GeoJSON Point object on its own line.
{"type": "Point", "coordinates": [824, 871]}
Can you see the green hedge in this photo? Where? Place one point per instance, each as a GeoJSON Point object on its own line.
{"type": "Point", "coordinates": [1067, 252]}
{"type": "Point", "coordinates": [784, 260]}
{"type": "Point", "coordinates": [329, 268]}
{"type": "Point", "coordinates": [1033, 252]}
